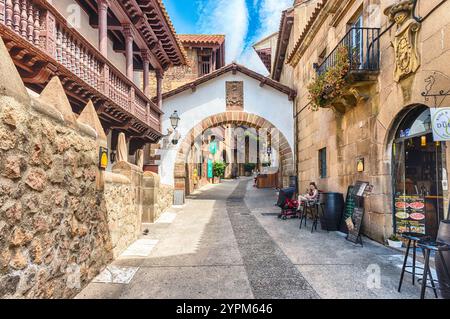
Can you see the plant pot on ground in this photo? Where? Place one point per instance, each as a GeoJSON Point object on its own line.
{"type": "Point", "coordinates": [248, 168]}
{"type": "Point", "coordinates": [395, 242]}
{"type": "Point", "coordinates": [218, 171]}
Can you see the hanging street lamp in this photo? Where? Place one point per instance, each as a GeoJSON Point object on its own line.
{"type": "Point", "coordinates": [174, 120]}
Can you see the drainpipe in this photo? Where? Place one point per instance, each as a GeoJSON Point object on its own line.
{"type": "Point", "coordinates": [418, 19]}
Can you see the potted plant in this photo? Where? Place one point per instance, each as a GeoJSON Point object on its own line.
{"type": "Point", "coordinates": [394, 241]}
{"type": "Point", "coordinates": [330, 86]}
{"type": "Point", "coordinates": [218, 171]}
{"type": "Point", "coordinates": [248, 168]}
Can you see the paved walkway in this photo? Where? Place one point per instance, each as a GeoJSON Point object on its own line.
{"type": "Point", "coordinates": [226, 242]}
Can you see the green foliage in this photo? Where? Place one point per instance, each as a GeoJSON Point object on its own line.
{"type": "Point", "coordinates": [394, 237]}
{"type": "Point", "coordinates": [331, 84]}
{"type": "Point", "coordinates": [219, 169]}
{"type": "Point", "coordinates": [266, 164]}
{"type": "Point", "coordinates": [249, 167]}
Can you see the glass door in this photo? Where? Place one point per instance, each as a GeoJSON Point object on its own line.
{"type": "Point", "coordinates": [357, 44]}
{"type": "Point", "coordinates": [419, 177]}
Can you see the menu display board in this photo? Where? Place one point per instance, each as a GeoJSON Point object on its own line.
{"type": "Point", "coordinates": [354, 234]}
{"type": "Point", "coordinates": [410, 214]}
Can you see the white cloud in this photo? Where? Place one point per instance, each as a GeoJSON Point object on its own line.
{"type": "Point", "coordinates": [229, 17]}
{"type": "Point", "coordinates": [270, 15]}
{"type": "Point", "coordinates": [269, 22]}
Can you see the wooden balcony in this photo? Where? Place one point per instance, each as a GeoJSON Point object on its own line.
{"type": "Point", "coordinates": [42, 45]}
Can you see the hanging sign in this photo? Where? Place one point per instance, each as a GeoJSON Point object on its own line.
{"type": "Point", "coordinates": [440, 121]}
{"type": "Point", "coordinates": [210, 169]}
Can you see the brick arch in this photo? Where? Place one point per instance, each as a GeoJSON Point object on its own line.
{"type": "Point", "coordinates": [236, 118]}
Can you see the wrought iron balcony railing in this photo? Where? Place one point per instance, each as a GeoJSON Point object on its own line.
{"type": "Point", "coordinates": [362, 45]}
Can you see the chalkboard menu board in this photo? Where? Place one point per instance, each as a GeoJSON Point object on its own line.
{"type": "Point", "coordinates": [354, 234]}
{"type": "Point", "coordinates": [348, 209]}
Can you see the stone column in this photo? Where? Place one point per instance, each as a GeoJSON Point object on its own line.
{"type": "Point", "coordinates": [103, 27]}
{"type": "Point", "coordinates": [128, 34]}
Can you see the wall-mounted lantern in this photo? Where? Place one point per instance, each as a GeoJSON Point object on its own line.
{"type": "Point", "coordinates": [175, 120]}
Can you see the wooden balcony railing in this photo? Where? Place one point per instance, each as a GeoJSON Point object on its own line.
{"type": "Point", "coordinates": [363, 49]}
{"type": "Point", "coordinates": [43, 27]}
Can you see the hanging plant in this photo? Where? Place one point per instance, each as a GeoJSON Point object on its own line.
{"type": "Point", "coordinates": [330, 85]}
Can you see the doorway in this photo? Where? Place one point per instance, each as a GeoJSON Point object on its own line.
{"type": "Point", "coordinates": [420, 176]}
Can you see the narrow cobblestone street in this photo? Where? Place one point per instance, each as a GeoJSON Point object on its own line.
{"type": "Point", "coordinates": [226, 242]}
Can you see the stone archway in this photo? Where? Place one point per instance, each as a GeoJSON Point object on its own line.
{"type": "Point", "coordinates": [237, 118]}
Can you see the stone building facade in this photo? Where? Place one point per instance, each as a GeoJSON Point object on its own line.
{"type": "Point", "coordinates": [397, 69]}
{"type": "Point", "coordinates": [205, 53]}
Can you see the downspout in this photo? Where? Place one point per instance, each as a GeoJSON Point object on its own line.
{"type": "Point", "coordinates": [418, 19]}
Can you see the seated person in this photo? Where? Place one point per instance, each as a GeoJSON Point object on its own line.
{"type": "Point", "coordinates": [313, 193]}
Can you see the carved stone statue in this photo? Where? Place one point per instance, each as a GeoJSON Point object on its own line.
{"type": "Point", "coordinates": [122, 152]}
{"type": "Point", "coordinates": [140, 158]}
{"type": "Point", "coordinates": [405, 44]}
{"type": "Point", "coordinates": [235, 95]}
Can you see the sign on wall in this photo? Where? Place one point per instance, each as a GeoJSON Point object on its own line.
{"type": "Point", "coordinates": [235, 95]}
{"type": "Point", "coordinates": [440, 121]}
{"type": "Point", "coordinates": [210, 169]}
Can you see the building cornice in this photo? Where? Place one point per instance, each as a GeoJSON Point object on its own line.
{"type": "Point", "coordinates": [284, 34]}
{"type": "Point", "coordinates": [316, 20]}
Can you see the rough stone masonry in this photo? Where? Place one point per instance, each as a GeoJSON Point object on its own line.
{"type": "Point", "coordinates": [54, 235]}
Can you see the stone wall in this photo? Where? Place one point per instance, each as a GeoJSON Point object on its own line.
{"type": "Point", "coordinates": [124, 220]}
{"type": "Point", "coordinates": [54, 235]}
{"type": "Point", "coordinates": [62, 220]}
{"type": "Point", "coordinates": [177, 76]}
{"type": "Point", "coordinates": [165, 199]}
{"type": "Point", "coordinates": [157, 197]}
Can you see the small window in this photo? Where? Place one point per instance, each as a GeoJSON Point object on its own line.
{"type": "Point", "coordinates": [323, 163]}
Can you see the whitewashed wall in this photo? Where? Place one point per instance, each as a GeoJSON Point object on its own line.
{"type": "Point", "coordinates": [209, 99]}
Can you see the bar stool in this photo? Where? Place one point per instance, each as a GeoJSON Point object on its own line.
{"type": "Point", "coordinates": [318, 212]}
{"type": "Point", "coordinates": [303, 207]}
{"type": "Point", "coordinates": [438, 248]}
{"type": "Point", "coordinates": [413, 238]}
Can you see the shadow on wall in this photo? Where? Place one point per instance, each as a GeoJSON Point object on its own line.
{"type": "Point", "coordinates": [62, 220]}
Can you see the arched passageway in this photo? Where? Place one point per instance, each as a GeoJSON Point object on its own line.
{"type": "Point", "coordinates": [277, 142]}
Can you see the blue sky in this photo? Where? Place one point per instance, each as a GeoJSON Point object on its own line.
{"type": "Point", "coordinates": [244, 22]}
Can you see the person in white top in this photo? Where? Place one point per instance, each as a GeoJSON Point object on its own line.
{"type": "Point", "coordinates": [313, 193]}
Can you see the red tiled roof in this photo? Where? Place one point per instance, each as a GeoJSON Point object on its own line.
{"type": "Point", "coordinates": [234, 67]}
{"type": "Point", "coordinates": [202, 38]}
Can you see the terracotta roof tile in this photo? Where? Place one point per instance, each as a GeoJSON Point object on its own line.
{"type": "Point", "coordinates": [202, 38]}
{"type": "Point", "coordinates": [234, 67]}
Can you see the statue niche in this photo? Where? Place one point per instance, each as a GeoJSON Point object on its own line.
{"type": "Point", "coordinates": [405, 43]}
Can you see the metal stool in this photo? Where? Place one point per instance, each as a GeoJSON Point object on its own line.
{"type": "Point", "coordinates": [306, 207]}
{"type": "Point", "coordinates": [438, 248]}
{"type": "Point", "coordinates": [319, 211]}
{"type": "Point", "coordinates": [413, 238]}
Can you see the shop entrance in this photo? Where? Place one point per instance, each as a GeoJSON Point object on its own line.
{"type": "Point", "coordinates": [420, 176]}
